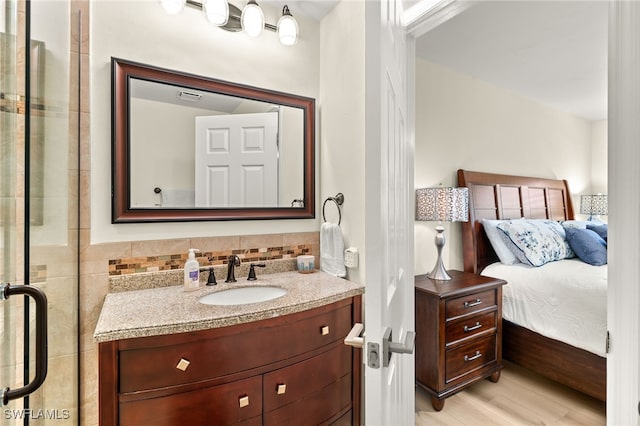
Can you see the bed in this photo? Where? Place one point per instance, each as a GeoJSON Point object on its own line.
{"type": "Point", "coordinates": [494, 196]}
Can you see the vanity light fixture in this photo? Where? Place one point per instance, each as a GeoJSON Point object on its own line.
{"type": "Point", "coordinates": [252, 19]}
{"type": "Point", "coordinates": [173, 7]}
{"type": "Point", "coordinates": [287, 28]}
{"type": "Point", "coordinates": [216, 11]}
{"type": "Point", "coordinates": [230, 18]}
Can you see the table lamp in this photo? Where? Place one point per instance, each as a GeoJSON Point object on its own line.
{"type": "Point", "coordinates": [443, 205]}
{"type": "Point", "coordinates": [594, 205]}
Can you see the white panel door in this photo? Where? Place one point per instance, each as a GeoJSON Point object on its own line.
{"type": "Point", "coordinates": [237, 160]}
{"type": "Point", "coordinates": [389, 297]}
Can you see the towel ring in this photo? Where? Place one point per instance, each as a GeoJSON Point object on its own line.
{"type": "Point", "coordinates": [338, 199]}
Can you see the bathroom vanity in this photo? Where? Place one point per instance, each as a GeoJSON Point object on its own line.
{"type": "Point", "coordinates": [167, 359]}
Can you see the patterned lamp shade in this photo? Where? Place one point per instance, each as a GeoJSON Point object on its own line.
{"type": "Point", "coordinates": [594, 205]}
{"type": "Point", "coordinates": [442, 204]}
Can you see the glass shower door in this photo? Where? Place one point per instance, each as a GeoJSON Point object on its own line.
{"type": "Point", "coordinates": [39, 207]}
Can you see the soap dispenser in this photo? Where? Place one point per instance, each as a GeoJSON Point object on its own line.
{"type": "Point", "coordinates": [191, 272]}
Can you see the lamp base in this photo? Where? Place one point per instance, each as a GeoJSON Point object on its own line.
{"type": "Point", "coordinates": [439, 272]}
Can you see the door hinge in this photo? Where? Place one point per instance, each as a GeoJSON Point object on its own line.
{"type": "Point", "coordinates": [608, 342]}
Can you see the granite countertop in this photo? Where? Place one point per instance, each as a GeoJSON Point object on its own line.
{"type": "Point", "coordinates": [169, 310]}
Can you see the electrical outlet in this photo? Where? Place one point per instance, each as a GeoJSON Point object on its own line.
{"type": "Point", "coordinates": [351, 257]}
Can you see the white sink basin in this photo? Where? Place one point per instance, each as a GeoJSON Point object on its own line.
{"type": "Point", "coordinates": [243, 295]}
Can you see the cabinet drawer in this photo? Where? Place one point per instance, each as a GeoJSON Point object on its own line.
{"type": "Point", "coordinates": [232, 403]}
{"type": "Point", "coordinates": [314, 409]}
{"type": "Point", "coordinates": [296, 382]}
{"type": "Point", "coordinates": [469, 327]}
{"type": "Point", "coordinates": [220, 352]}
{"type": "Point", "coordinates": [471, 303]}
{"type": "Point", "coordinates": [470, 357]}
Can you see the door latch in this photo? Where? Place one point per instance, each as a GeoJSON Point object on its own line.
{"type": "Point", "coordinates": [373, 355]}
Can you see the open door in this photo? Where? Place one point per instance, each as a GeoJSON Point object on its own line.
{"type": "Point", "coordinates": [389, 299]}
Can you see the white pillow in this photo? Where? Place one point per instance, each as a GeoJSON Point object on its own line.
{"type": "Point", "coordinates": [505, 255]}
{"type": "Point", "coordinates": [576, 224]}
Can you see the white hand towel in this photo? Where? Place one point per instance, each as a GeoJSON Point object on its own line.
{"type": "Point", "coordinates": [332, 250]}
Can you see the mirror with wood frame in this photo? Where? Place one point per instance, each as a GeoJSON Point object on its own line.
{"type": "Point", "coordinates": [192, 148]}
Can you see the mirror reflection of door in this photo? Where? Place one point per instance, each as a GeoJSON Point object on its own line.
{"type": "Point", "coordinates": [236, 160]}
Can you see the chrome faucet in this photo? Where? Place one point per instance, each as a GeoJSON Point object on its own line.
{"type": "Point", "coordinates": [233, 261]}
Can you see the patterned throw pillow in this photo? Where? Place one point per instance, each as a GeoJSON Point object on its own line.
{"type": "Point", "coordinates": [536, 242]}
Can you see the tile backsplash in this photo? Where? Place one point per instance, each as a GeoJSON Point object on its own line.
{"type": "Point", "coordinates": [171, 261]}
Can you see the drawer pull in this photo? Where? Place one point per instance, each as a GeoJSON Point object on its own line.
{"type": "Point", "coordinates": [183, 364]}
{"type": "Point", "coordinates": [472, 328]}
{"type": "Point", "coordinates": [244, 401]}
{"type": "Point", "coordinates": [324, 330]}
{"type": "Point", "coordinates": [472, 357]}
{"type": "Point", "coordinates": [472, 304]}
{"type": "Point", "coordinates": [282, 389]}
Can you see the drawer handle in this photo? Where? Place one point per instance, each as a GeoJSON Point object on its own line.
{"type": "Point", "coordinates": [324, 330]}
{"type": "Point", "coordinates": [472, 328]}
{"type": "Point", "coordinates": [282, 389]}
{"type": "Point", "coordinates": [472, 304]}
{"type": "Point", "coordinates": [183, 364]}
{"type": "Point", "coordinates": [472, 357]}
{"type": "Point", "coordinates": [244, 401]}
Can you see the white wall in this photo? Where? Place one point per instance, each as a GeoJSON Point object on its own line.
{"type": "Point", "coordinates": [463, 123]}
{"type": "Point", "coordinates": [342, 108]}
{"type": "Point", "coordinates": [599, 157]}
{"type": "Point", "coordinates": [141, 31]}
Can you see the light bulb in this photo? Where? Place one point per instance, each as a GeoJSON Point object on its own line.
{"type": "Point", "coordinates": [173, 7]}
{"type": "Point", "coordinates": [217, 11]}
{"type": "Point", "coordinates": [287, 28]}
{"type": "Point", "coordinates": [252, 19]}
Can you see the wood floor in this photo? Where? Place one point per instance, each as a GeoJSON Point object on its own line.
{"type": "Point", "coordinates": [519, 398]}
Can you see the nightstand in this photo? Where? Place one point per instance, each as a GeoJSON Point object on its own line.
{"type": "Point", "coordinates": [458, 333]}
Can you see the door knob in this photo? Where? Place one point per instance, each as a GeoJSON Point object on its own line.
{"type": "Point", "coordinates": [389, 346]}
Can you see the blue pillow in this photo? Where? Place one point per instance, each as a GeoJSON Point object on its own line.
{"type": "Point", "coordinates": [601, 230]}
{"type": "Point", "coordinates": [587, 245]}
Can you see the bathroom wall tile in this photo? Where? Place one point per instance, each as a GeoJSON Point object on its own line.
{"type": "Point", "coordinates": [81, 6]}
{"type": "Point", "coordinates": [85, 199]}
{"type": "Point", "coordinates": [60, 260]}
{"type": "Point", "coordinates": [93, 289]}
{"type": "Point", "coordinates": [63, 313]}
{"type": "Point", "coordinates": [74, 89]}
{"type": "Point", "coordinates": [95, 258]}
{"type": "Point", "coordinates": [159, 247]}
{"type": "Point", "coordinates": [85, 146]}
{"type": "Point", "coordinates": [89, 387]}
{"type": "Point", "coordinates": [296, 238]}
{"type": "Point", "coordinates": [59, 390]}
{"type": "Point", "coordinates": [262, 241]}
{"type": "Point", "coordinates": [216, 244]}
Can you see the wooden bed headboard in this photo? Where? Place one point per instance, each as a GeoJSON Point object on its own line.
{"type": "Point", "coordinates": [494, 196]}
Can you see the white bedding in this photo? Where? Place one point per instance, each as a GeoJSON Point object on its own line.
{"type": "Point", "coordinates": [564, 300]}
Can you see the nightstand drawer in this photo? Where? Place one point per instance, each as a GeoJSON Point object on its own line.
{"type": "Point", "coordinates": [470, 357]}
{"type": "Point", "coordinates": [469, 304]}
{"type": "Point", "coordinates": [469, 327]}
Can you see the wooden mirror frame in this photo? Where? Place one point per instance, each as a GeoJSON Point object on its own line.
{"type": "Point", "coordinates": [121, 72]}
